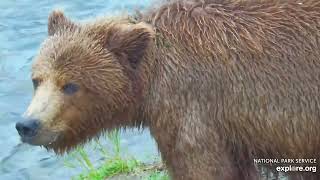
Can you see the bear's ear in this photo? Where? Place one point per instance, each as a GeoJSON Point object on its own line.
{"type": "Point", "coordinates": [57, 22]}
{"type": "Point", "coordinates": [129, 42]}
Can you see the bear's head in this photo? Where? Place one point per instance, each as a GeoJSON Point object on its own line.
{"type": "Point", "coordinates": [86, 80]}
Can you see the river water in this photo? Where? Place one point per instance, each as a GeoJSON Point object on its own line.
{"type": "Point", "coordinates": [23, 26]}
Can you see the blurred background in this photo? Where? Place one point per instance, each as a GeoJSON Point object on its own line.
{"type": "Point", "coordinates": [23, 26]}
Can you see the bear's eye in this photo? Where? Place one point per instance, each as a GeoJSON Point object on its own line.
{"type": "Point", "coordinates": [70, 88]}
{"type": "Point", "coordinates": [35, 83]}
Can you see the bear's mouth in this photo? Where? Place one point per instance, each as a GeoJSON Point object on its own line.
{"type": "Point", "coordinates": [28, 139]}
{"type": "Point", "coordinates": [41, 139]}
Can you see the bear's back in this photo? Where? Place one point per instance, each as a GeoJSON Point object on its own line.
{"type": "Point", "coordinates": [249, 64]}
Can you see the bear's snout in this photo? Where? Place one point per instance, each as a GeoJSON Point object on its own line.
{"type": "Point", "coordinates": [28, 128]}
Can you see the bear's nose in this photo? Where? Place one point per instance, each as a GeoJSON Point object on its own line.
{"type": "Point", "coordinates": [28, 128]}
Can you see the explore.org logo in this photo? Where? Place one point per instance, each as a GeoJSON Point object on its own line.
{"type": "Point", "coordinates": [290, 165]}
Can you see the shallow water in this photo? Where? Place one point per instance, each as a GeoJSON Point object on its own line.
{"type": "Point", "coordinates": [22, 29]}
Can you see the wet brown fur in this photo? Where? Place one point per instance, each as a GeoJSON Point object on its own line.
{"type": "Point", "coordinates": [218, 82]}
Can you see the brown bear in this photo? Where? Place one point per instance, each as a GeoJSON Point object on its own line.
{"type": "Point", "coordinates": [220, 84]}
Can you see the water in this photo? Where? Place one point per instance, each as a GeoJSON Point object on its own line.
{"type": "Point", "coordinates": [23, 26]}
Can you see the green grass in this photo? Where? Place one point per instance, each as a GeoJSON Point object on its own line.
{"type": "Point", "coordinates": [110, 168]}
{"type": "Point", "coordinates": [114, 164]}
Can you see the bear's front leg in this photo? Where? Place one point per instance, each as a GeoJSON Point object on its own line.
{"type": "Point", "coordinates": [201, 164]}
{"type": "Point", "coordinates": [195, 151]}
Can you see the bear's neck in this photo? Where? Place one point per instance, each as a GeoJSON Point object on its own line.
{"type": "Point", "coordinates": [151, 73]}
